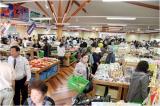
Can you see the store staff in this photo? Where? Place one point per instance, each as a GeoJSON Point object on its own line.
{"type": "Point", "coordinates": [23, 74]}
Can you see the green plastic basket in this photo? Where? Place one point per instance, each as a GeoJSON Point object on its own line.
{"type": "Point", "coordinates": [41, 54]}
{"type": "Point", "coordinates": [77, 83]}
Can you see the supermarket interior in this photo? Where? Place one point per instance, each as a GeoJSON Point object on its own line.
{"type": "Point", "coordinates": [80, 52]}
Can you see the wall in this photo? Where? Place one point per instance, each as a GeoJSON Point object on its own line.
{"type": "Point", "coordinates": [22, 30]}
{"type": "Point", "coordinates": [140, 37]}
{"type": "Point", "coordinates": [87, 35]}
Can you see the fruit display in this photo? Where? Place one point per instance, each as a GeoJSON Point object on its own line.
{"type": "Point", "coordinates": [38, 64]}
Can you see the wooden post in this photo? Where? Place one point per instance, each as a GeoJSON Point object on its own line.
{"type": "Point", "coordinates": [59, 32]}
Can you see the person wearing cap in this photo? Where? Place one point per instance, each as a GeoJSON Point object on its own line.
{"type": "Point", "coordinates": [100, 44]}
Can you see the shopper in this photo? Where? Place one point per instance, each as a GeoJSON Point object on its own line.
{"type": "Point", "coordinates": [61, 52]}
{"type": "Point", "coordinates": [23, 74]}
{"type": "Point", "coordinates": [47, 49]}
{"type": "Point", "coordinates": [38, 95]}
{"type": "Point", "coordinates": [81, 66]}
{"type": "Point", "coordinates": [36, 44]}
{"type": "Point", "coordinates": [7, 83]}
{"type": "Point", "coordinates": [111, 56]}
{"type": "Point", "coordinates": [138, 89]}
{"type": "Point", "coordinates": [25, 41]}
{"type": "Point", "coordinates": [96, 58]}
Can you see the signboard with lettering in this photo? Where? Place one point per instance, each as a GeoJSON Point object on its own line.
{"type": "Point", "coordinates": [34, 15]}
{"type": "Point", "coordinates": [7, 12]}
{"type": "Point", "coordinates": [31, 28]}
{"type": "Point", "coordinates": [21, 13]}
{"type": "Point", "coordinates": [15, 11]}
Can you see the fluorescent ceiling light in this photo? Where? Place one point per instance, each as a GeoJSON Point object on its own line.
{"type": "Point", "coordinates": [3, 5]}
{"type": "Point", "coordinates": [110, 24]}
{"type": "Point", "coordinates": [62, 23]}
{"type": "Point", "coordinates": [73, 26]}
{"type": "Point", "coordinates": [123, 0]}
{"type": "Point", "coordinates": [42, 18]}
{"type": "Point", "coordinates": [120, 18]}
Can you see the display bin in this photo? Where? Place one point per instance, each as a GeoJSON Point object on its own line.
{"type": "Point", "coordinates": [45, 73]}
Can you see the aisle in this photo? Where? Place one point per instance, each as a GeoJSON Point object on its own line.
{"type": "Point", "coordinates": [58, 87]}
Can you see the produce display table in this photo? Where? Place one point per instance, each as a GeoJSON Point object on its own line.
{"type": "Point", "coordinates": [69, 58]}
{"type": "Point", "coordinates": [46, 72]}
{"type": "Point", "coordinates": [122, 87]}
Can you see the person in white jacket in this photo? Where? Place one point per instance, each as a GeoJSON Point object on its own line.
{"type": "Point", "coordinates": [7, 83]}
{"type": "Point", "coordinates": [61, 52]}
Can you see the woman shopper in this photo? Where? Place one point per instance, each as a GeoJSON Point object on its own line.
{"type": "Point", "coordinates": [38, 95]}
{"type": "Point", "coordinates": [81, 67]}
{"type": "Point", "coordinates": [138, 89]}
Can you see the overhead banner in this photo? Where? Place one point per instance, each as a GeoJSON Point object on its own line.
{"type": "Point", "coordinates": [15, 11]}
{"type": "Point", "coordinates": [5, 28]}
{"type": "Point", "coordinates": [31, 28]}
{"type": "Point", "coordinates": [21, 13]}
{"type": "Point", "coordinates": [7, 12]}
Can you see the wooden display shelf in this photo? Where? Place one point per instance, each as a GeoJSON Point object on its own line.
{"type": "Point", "coordinates": [122, 87]}
{"type": "Point", "coordinates": [67, 59]}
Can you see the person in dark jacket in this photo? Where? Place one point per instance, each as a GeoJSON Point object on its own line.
{"type": "Point", "coordinates": [38, 95]}
{"type": "Point", "coordinates": [47, 49]}
{"type": "Point", "coordinates": [138, 89]}
{"type": "Point", "coordinates": [96, 58]}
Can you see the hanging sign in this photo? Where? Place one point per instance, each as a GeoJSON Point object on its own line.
{"type": "Point", "coordinates": [31, 28]}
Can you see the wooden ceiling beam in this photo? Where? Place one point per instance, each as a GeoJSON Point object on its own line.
{"type": "Point", "coordinates": [59, 11]}
{"type": "Point", "coordinates": [143, 5]}
{"type": "Point", "coordinates": [42, 9]}
{"type": "Point", "coordinates": [78, 10]}
{"type": "Point", "coordinates": [78, 4]}
{"type": "Point", "coordinates": [53, 11]}
{"type": "Point", "coordinates": [68, 8]}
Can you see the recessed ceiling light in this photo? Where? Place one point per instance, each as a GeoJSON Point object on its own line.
{"type": "Point", "coordinates": [120, 18]}
{"type": "Point", "coordinates": [73, 26]}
